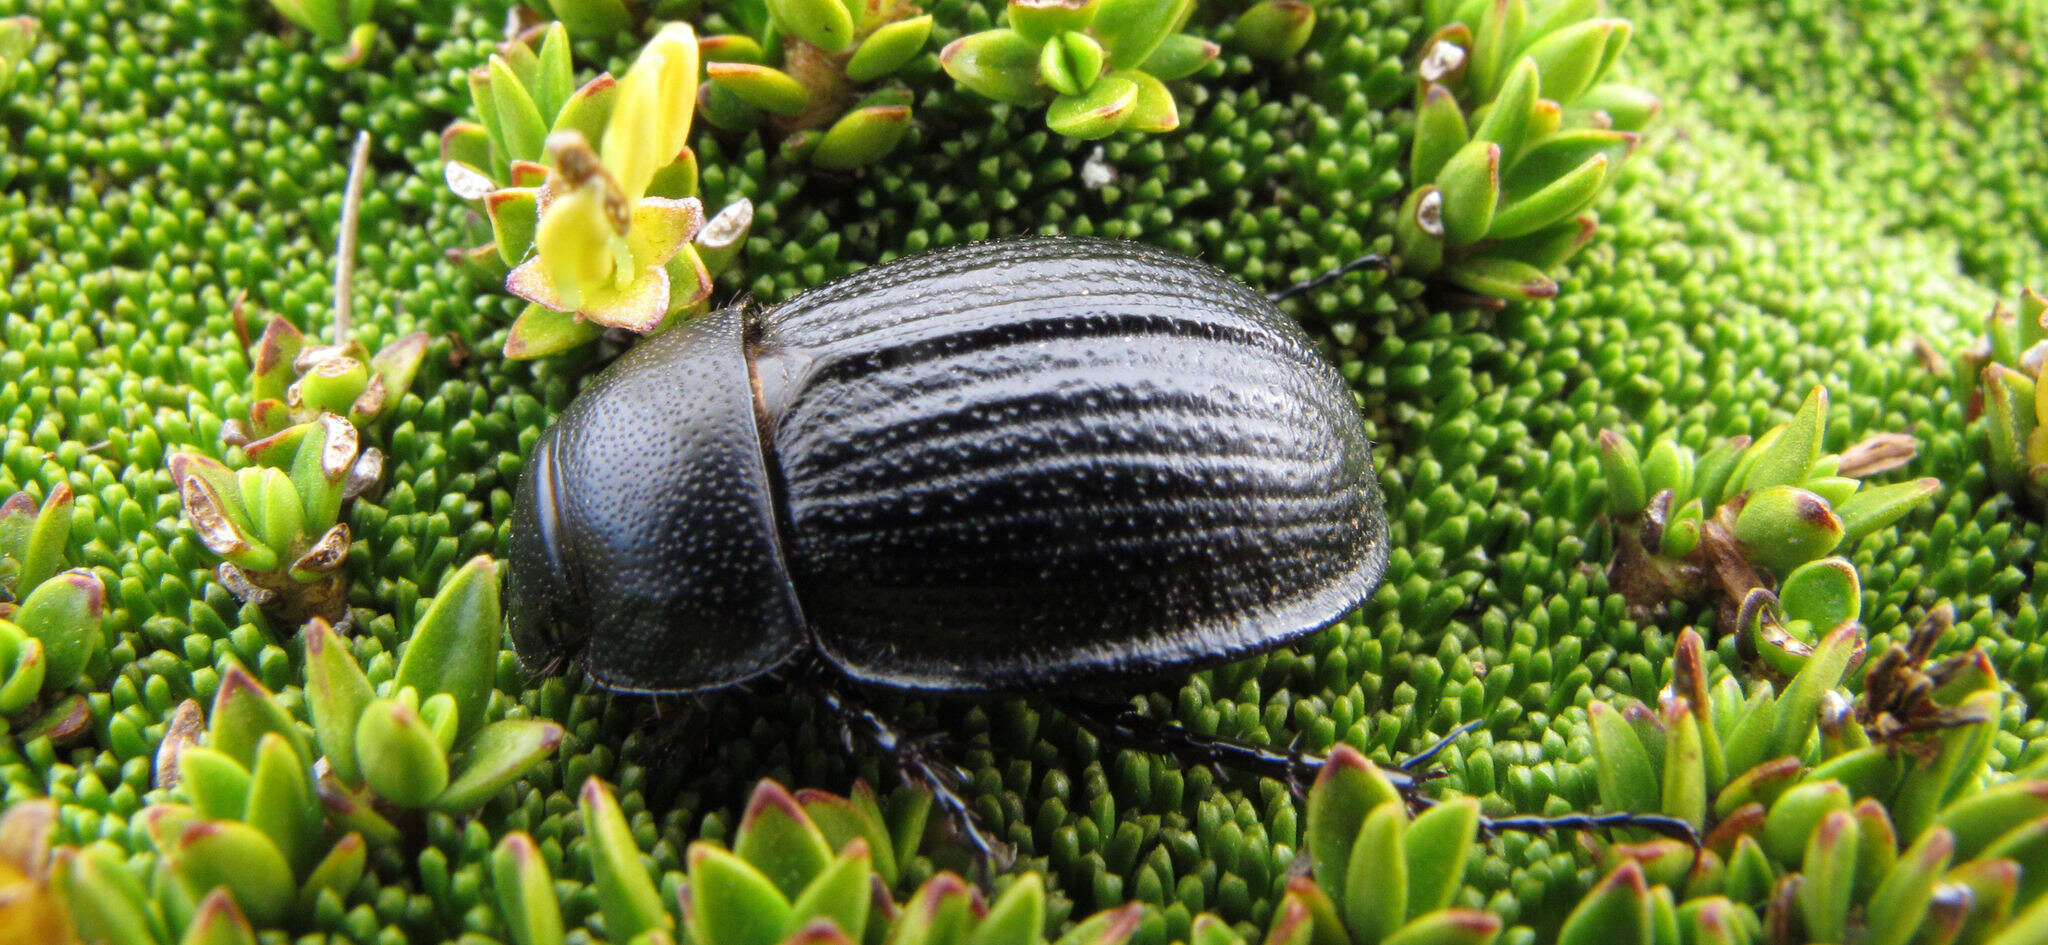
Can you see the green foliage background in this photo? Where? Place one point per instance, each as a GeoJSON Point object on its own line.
{"type": "Point", "coordinates": [1829, 181]}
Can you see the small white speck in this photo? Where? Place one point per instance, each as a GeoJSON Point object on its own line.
{"type": "Point", "coordinates": [1444, 58]}
{"type": "Point", "coordinates": [1096, 172]}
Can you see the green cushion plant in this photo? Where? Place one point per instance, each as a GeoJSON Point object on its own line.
{"type": "Point", "coordinates": [1789, 219]}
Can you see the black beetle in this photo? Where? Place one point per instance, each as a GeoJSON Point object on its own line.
{"type": "Point", "coordinates": [1018, 466]}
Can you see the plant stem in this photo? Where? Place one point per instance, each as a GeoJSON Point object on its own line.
{"type": "Point", "coordinates": [345, 248]}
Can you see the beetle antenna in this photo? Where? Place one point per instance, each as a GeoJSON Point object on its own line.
{"type": "Point", "coordinates": [1312, 283]}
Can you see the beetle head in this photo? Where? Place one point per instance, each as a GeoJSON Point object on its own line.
{"type": "Point", "coordinates": [544, 594]}
{"type": "Point", "coordinates": [644, 536]}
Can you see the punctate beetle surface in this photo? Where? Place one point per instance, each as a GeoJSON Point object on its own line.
{"type": "Point", "coordinates": [1000, 467]}
{"type": "Point", "coordinates": [1024, 466]}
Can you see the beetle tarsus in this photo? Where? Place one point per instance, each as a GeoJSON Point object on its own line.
{"type": "Point", "coordinates": [1671, 827]}
{"type": "Point", "coordinates": [1312, 283]}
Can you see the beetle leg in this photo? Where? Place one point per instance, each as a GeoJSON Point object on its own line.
{"type": "Point", "coordinates": [914, 762]}
{"type": "Point", "coordinates": [1658, 824]}
{"type": "Point", "coordinates": [1144, 733]}
{"type": "Point", "coordinates": [1427, 754]}
{"type": "Point", "coordinates": [1293, 768]}
{"type": "Point", "coordinates": [1312, 283]}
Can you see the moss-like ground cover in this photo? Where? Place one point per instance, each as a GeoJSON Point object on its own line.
{"type": "Point", "coordinates": [1827, 183]}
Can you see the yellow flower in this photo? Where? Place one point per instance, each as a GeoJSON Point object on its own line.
{"type": "Point", "coordinates": [30, 912]}
{"type": "Point", "coordinates": [602, 257]}
{"type": "Point", "coordinates": [651, 118]}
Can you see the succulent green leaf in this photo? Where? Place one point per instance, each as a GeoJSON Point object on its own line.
{"type": "Point", "coordinates": [1292, 924]}
{"type": "Point", "coordinates": [519, 120]}
{"type": "Point", "coordinates": [1070, 62]}
{"type": "Point", "coordinates": [1558, 155]}
{"type": "Point", "coordinates": [1881, 506]}
{"type": "Point", "coordinates": [731, 47]}
{"type": "Point", "coordinates": [525, 892]}
{"type": "Point", "coordinates": [454, 649]}
{"type": "Point", "coordinates": [761, 86]}
{"type": "Point", "coordinates": [589, 109]}
{"type": "Point", "coordinates": [1375, 900]}
{"type": "Point", "coordinates": [1877, 844]}
{"type": "Point", "coordinates": [281, 802]}
{"type": "Point", "coordinates": [1571, 58]}
{"type": "Point", "coordinates": [1470, 182]}
{"type": "Point", "coordinates": [336, 694]}
{"type": "Point", "coordinates": [1108, 927]}
{"type": "Point", "coordinates": [1795, 815]}
{"type": "Point", "coordinates": [514, 213]}
{"type": "Point", "coordinates": [1787, 458]}
{"type": "Point", "coordinates": [778, 838]}
{"type": "Point", "coordinates": [1501, 23]}
{"type": "Point", "coordinates": [862, 136]}
{"type": "Point", "coordinates": [1017, 917]}
{"type": "Point", "coordinates": [1783, 527]}
{"type": "Point", "coordinates": [1438, 843]}
{"type": "Point", "coordinates": [1797, 709]}
{"type": "Point", "coordinates": [217, 786]}
{"type": "Point", "coordinates": [1615, 912]}
{"type": "Point", "coordinates": [1826, 593]}
{"type": "Point", "coordinates": [1627, 107]}
{"type": "Point", "coordinates": [540, 331]}
{"type": "Point", "coordinates": [401, 759]}
{"type": "Point", "coordinates": [625, 890]}
{"type": "Point", "coordinates": [337, 872]}
{"type": "Point", "coordinates": [1419, 231]}
{"type": "Point", "coordinates": [1439, 133]}
{"type": "Point", "coordinates": [888, 48]}
{"type": "Point", "coordinates": [495, 757]}
{"type": "Point", "coordinates": [1829, 870]}
{"type": "Point", "coordinates": [1448, 927]}
{"type": "Point", "coordinates": [841, 893]}
{"type": "Point", "coordinates": [108, 903]}
{"type": "Point", "coordinates": [63, 614]}
{"type": "Point", "coordinates": [1155, 111]}
{"type": "Point", "coordinates": [1107, 106]}
{"type": "Point", "coordinates": [36, 540]}
{"type": "Point", "coordinates": [218, 922]}
{"type": "Point", "coordinates": [1684, 793]}
{"type": "Point", "coordinates": [1179, 56]}
{"type": "Point", "coordinates": [1000, 64]}
{"type": "Point", "coordinates": [826, 24]}
{"type": "Point", "coordinates": [1210, 930]}
{"type": "Point", "coordinates": [21, 668]}
{"type": "Point", "coordinates": [1041, 20]}
{"type": "Point", "coordinates": [1502, 278]}
{"type": "Point", "coordinates": [239, 858]}
{"type": "Point", "coordinates": [1130, 30]}
{"type": "Point", "coordinates": [1274, 29]}
{"type": "Point", "coordinates": [1508, 118]}
{"type": "Point", "coordinates": [731, 902]}
{"type": "Point", "coordinates": [1562, 199]}
{"type": "Point", "coordinates": [554, 78]}
{"type": "Point", "coordinates": [243, 712]}
{"type": "Point", "coordinates": [1899, 903]}
{"type": "Point", "coordinates": [1346, 789]}
{"type": "Point", "coordinates": [1622, 768]}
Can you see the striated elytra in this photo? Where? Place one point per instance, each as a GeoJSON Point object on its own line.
{"type": "Point", "coordinates": [1003, 467]}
